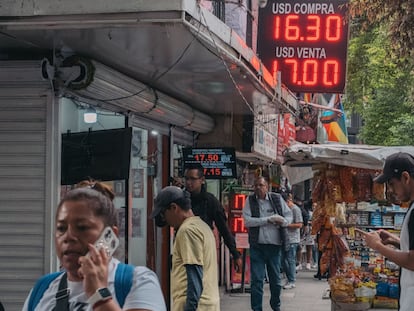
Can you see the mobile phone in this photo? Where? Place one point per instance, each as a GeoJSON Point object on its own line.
{"type": "Point", "coordinates": [360, 231]}
{"type": "Point", "coordinates": [108, 241]}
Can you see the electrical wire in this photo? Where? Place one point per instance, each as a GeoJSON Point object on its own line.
{"type": "Point", "coordinates": [218, 54]}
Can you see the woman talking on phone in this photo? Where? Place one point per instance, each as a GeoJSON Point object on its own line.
{"type": "Point", "coordinates": [91, 278]}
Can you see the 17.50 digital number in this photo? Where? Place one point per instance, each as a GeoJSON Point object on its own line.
{"type": "Point", "coordinates": [209, 157]}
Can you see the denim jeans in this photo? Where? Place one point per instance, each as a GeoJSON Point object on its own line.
{"type": "Point", "coordinates": [265, 256]}
{"type": "Point", "coordinates": [289, 262]}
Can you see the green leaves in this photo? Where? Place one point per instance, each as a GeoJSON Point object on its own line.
{"type": "Point", "coordinates": [380, 84]}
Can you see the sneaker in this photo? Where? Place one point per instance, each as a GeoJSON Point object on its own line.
{"type": "Point", "coordinates": [326, 294]}
{"type": "Point", "coordinates": [308, 266]}
{"type": "Point", "coordinates": [299, 267]}
{"type": "Point", "coordinates": [289, 286]}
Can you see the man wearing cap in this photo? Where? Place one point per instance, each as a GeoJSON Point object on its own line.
{"type": "Point", "coordinates": [194, 259]}
{"type": "Point", "coordinates": [398, 173]}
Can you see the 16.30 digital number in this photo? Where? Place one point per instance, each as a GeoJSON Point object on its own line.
{"type": "Point", "coordinates": [308, 28]}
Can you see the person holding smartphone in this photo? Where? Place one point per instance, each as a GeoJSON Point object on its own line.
{"type": "Point", "coordinates": [398, 173]}
{"type": "Point", "coordinates": [89, 277]}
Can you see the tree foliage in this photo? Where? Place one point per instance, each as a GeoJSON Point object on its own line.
{"type": "Point", "coordinates": [398, 14]}
{"type": "Point", "coordinates": [380, 77]}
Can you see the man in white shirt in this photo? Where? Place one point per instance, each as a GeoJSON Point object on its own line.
{"type": "Point", "coordinates": [265, 213]}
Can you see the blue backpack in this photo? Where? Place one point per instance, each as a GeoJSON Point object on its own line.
{"type": "Point", "coordinates": [124, 275]}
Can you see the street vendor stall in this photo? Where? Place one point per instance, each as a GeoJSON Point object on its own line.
{"type": "Point", "coordinates": [345, 197]}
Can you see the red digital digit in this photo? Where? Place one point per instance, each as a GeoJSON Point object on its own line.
{"type": "Point", "coordinates": [277, 28]}
{"type": "Point", "coordinates": [330, 72]}
{"type": "Point", "coordinates": [313, 28]}
{"type": "Point", "coordinates": [239, 200]}
{"type": "Point", "coordinates": [294, 69]}
{"type": "Point", "coordinates": [291, 28]}
{"type": "Point", "coordinates": [217, 172]}
{"type": "Point", "coordinates": [238, 224]}
{"type": "Point", "coordinates": [310, 72]}
{"type": "Point", "coordinates": [333, 28]}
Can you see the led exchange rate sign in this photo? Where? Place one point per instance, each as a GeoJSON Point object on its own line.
{"type": "Point", "coordinates": [307, 42]}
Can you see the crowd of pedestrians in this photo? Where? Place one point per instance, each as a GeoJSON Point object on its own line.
{"type": "Point", "coordinates": [279, 234]}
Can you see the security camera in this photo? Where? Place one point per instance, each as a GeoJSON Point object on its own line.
{"type": "Point", "coordinates": [262, 3]}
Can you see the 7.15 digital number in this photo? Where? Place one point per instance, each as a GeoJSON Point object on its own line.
{"type": "Point", "coordinates": [212, 172]}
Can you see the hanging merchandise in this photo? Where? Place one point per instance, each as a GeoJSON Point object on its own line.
{"type": "Point", "coordinates": [346, 198]}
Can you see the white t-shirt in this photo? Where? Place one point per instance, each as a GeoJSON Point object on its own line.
{"type": "Point", "coordinates": [145, 292]}
{"type": "Point", "coordinates": [294, 233]}
{"type": "Point", "coordinates": [407, 276]}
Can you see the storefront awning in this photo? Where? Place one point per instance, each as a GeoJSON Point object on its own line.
{"type": "Point", "coordinates": [361, 156]}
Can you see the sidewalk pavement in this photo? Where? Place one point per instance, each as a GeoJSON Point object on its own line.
{"type": "Point", "coordinates": [307, 296]}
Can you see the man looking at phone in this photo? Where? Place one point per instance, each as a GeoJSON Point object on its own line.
{"type": "Point", "coordinates": [194, 258]}
{"type": "Point", "coordinates": [398, 173]}
{"type": "Point", "coordinates": [206, 205]}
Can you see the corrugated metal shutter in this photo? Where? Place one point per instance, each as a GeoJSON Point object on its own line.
{"type": "Point", "coordinates": [24, 195]}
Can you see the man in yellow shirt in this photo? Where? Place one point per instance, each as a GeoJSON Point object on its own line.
{"type": "Point", "coordinates": [194, 262]}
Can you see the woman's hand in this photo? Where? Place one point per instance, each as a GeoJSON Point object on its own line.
{"type": "Point", "coordinates": [94, 270]}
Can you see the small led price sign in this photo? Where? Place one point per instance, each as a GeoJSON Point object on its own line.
{"type": "Point", "coordinates": [307, 42]}
{"type": "Point", "coordinates": [236, 220]}
{"type": "Point", "coordinates": [237, 223]}
{"type": "Point", "coordinates": [239, 199]}
{"type": "Point", "coordinates": [217, 163]}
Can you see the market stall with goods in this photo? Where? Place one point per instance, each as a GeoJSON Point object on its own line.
{"type": "Point", "coordinates": [344, 198]}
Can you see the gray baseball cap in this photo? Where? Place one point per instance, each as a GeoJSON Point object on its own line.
{"type": "Point", "coordinates": [167, 196]}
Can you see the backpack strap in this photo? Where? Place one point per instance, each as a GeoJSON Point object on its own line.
{"type": "Point", "coordinates": [124, 276]}
{"type": "Point", "coordinates": [39, 289]}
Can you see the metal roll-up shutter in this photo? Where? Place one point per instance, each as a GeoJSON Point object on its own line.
{"type": "Point", "coordinates": [25, 179]}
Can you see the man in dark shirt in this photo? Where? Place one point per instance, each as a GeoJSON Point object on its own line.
{"type": "Point", "coordinates": [206, 205]}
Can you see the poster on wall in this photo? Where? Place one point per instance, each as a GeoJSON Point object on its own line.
{"type": "Point", "coordinates": [119, 188]}
{"type": "Point", "coordinates": [136, 222]}
{"type": "Point", "coordinates": [136, 144]}
{"type": "Point", "coordinates": [138, 183]}
{"type": "Point", "coordinates": [121, 222]}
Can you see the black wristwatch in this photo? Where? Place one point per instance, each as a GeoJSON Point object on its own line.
{"type": "Point", "coordinates": [101, 294]}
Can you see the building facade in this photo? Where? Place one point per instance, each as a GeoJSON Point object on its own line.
{"type": "Point", "coordinates": [174, 67]}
